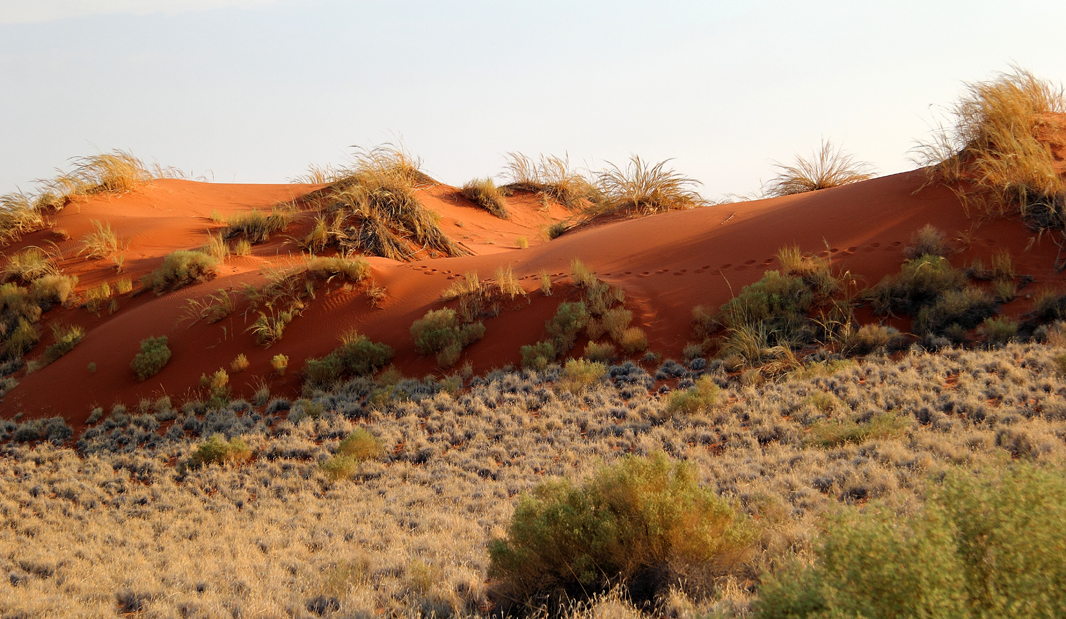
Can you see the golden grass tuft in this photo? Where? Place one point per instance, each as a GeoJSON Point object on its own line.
{"type": "Point", "coordinates": [826, 168]}
{"type": "Point", "coordinates": [642, 188]}
{"type": "Point", "coordinates": [484, 193]}
{"type": "Point", "coordinates": [372, 209]}
{"type": "Point", "coordinates": [29, 264]}
{"type": "Point", "coordinates": [995, 144]}
{"type": "Point", "coordinates": [550, 177]}
{"type": "Point", "coordinates": [101, 242]}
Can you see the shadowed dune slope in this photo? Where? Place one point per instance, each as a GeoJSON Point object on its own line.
{"type": "Point", "coordinates": [666, 264]}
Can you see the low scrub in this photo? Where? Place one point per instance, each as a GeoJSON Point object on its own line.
{"type": "Point", "coordinates": [180, 268]}
{"type": "Point", "coordinates": [645, 522]}
{"type": "Point", "coordinates": [927, 241]}
{"type": "Point", "coordinates": [696, 399]}
{"type": "Point", "coordinates": [441, 333]}
{"type": "Point", "coordinates": [153, 356]}
{"type": "Point", "coordinates": [838, 431]}
{"type": "Point", "coordinates": [356, 356]}
{"type": "Point", "coordinates": [537, 356]}
{"type": "Point", "coordinates": [580, 374]}
{"type": "Point", "coordinates": [217, 450]}
{"type": "Point", "coordinates": [28, 265]}
{"type": "Point", "coordinates": [550, 177]}
{"type": "Point", "coordinates": [980, 547]}
{"type": "Point", "coordinates": [564, 327]}
{"type": "Point", "coordinates": [66, 338]}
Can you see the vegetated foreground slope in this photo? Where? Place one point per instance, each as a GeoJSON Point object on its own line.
{"type": "Point", "coordinates": [666, 264]}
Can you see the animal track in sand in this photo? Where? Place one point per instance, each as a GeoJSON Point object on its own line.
{"type": "Point", "coordinates": [726, 266]}
{"type": "Point", "coordinates": [681, 272]}
{"type": "Point", "coordinates": [749, 262]}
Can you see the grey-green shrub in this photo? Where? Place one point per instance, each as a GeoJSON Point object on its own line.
{"type": "Point", "coordinates": [153, 356]}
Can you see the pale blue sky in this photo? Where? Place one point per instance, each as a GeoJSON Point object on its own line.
{"type": "Point", "coordinates": [255, 90]}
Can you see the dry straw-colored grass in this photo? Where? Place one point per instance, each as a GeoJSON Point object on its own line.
{"type": "Point", "coordinates": [372, 209]}
{"type": "Point", "coordinates": [117, 528]}
{"type": "Point", "coordinates": [484, 193]}
{"type": "Point", "coordinates": [550, 176]}
{"type": "Point", "coordinates": [994, 146]}
{"type": "Point", "coordinates": [826, 168]}
{"type": "Point", "coordinates": [642, 188]}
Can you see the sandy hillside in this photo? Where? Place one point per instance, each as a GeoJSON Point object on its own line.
{"type": "Point", "coordinates": [666, 264]}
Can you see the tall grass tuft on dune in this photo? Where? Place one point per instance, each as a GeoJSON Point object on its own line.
{"type": "Point", "coordinates": [552, 177]}
{"type": "Point", "coordinates": [371, 208]}
{"type": "Point", "coordinates": [826, 168]}
{"type": "Point", "coordinates": [115, 172]}
{"type": "Point", "coordinates": [484, 193]}
{"type": "Point", "coordinates": [18, 215]}
{"type": "Point", "coordinates": [995, 142]}
{"type": "Point", "coordinates": [642, 188]}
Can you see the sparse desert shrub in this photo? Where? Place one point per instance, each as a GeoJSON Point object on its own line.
{"type": "Point", "coordinates": [239, 364]}
{"type": "Point", "coordinates": [985, 547]}
{"type": "Point", "coordinates": [556, 230]}
{"type": "Point", "coordinates": [564, 327]}
{"type": "Point", "coordinates": [814, 271]}
{"type": "Point", "coordinates": [66, 337]}
{"type": "Point", "coordinates": [920, 282]}
{"type": "Point", "coordinates": [96, 299]}
{"type": "Point", "coordinates": [645, 522]}
{"type": "Point", "coordinates": [1004, 290]}
{"type": "Point", "coordinates": [695, 399]}
{"type": "Point", "coordinates": [829, 167]}
{"type": "Point", "coordinates": [354, 269]}
{"type": "Point", "coordinates": [998, 331]}
{"type": "Point", "coordinates": [966, 307]}
{"type": "Point", "coordinates": [641, 188]}
{"type": "Point", "coordinates": [581, 274]}
{"type": "Point", "coordinates": [29, 264]}
{"type": "Point", "coordinates": [537, 356]}
{"type": "Point", "coordinates": [18, 215]}
{"type": "Point", "coordinates": [115, 172]}
{"type": "Point", "coordinates": [601, 352]}
{"type": "Point", "coordinates": [440, 332]}
{"type": "Point", "coordinates": [257, 226]}
{"type": "Point", "coordinates": [279, 362]}
{"type": "Point", "coordinates": [22, 339]}
{"type": "Point", "coordinates": [633, 340]}
{"type": "Point", "coordinates": [616, 321]}
{"type": "Point", "coordinates": [1049, 304]}
{"type": "Point", "coordinates": [216, 450]}
{"type": "Point", "coordinates": [521, 242]}
{"type": "Point", "coordinates": [767, 319]}
{"type": "Point", "coordinates": [124, 285]}
{"type": "Point", "coordinates": [927, 241]}
{"type": "Point", "coordinates": [218, 388]}
{"type": "Point", "coordinates": [578, 374]}
{"type": "Point", "coordinates": [243, 247]}
{"type": "Point", "coordinates": [53, 289]}
{"type": "Point", "coordinates": [507, 283]}
{"type": "Point", "coordinates": [101, 242]}
{"type": "Point", "coordinates": [484, 193]}
{"type": "Point", "coordinates": [324, 371]}
{"type": "Point", "coordinates": [870, 338]}
{"type": "Point", "coordinates": [178, 269]}
{"type": "Point", "coordinates": [1002, 265]}
{"type": "Point", "coordinates": [153, 356]}
{"type": "Point", "coordinates": [360, 356]}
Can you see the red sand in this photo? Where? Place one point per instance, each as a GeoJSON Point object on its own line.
{"type": "Point", "coordinates": [666, 263]}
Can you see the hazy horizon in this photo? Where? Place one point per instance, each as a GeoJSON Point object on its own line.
{"type": "Point", "coordinates": [256, 90]}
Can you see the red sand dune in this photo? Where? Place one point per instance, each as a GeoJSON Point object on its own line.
{"type": "Point", "coordinates": [665, 263]}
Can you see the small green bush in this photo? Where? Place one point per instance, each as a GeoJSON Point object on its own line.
{"type": "Point", "coordinates": [564, 327]}
{"type": "Point", "coordinates": [980, 547]}
{"type": "Point", "coordinates": [998, 331]}
{"type": "Point", "coordinates": [325, 371]}
{"type": "Point", "coordinates": [645, 522]}
{"type": "Point", "coordinates": [920, 282]}
{"type": "Point", "coordinates": [537, 356]}
{"type": "Point", "coordinates": [153, 356]}
{"type": "Point", "coordinates": [441, 333]}
{"type": "Point", "coordinates": [178, 269]}
{"type": "Point", "coordinates": [633, 340]}
{"type": "Point", "coordinates": [216, 450]}
{"type": "Point", "coordinates": [966, 307]}
{"type": "Point", "coordinates": [695, 399]}
{"type": "Point", "coordinates": [361, 357]}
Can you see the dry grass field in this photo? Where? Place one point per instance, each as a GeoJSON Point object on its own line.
{"type": "Point", "coordinates": [120, 524]}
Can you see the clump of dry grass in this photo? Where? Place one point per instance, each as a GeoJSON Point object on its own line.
{"type": "Point", "coordinates": [484, 193]}
{"type": "Point", "coordinates": [550, 177]}
{"type": "Point", "coordinates": [995, 143]}
{"type": "Point", "coordinates": [29, 264]}
{"type": "Point", "coordinates": [18, 215]}
{"type": "Point", "coordinates": [826, 168]}
{"type": "Point", "coordinates": [642, 188]}
{"type": "Point", "coordinates": [101, 242]}
{"type": "Point", "coordinates": [372, 209]}
{"type": "Point", "coordinates": [257, 226]}
{"type": "Point", "coordinates": [115, 172]}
